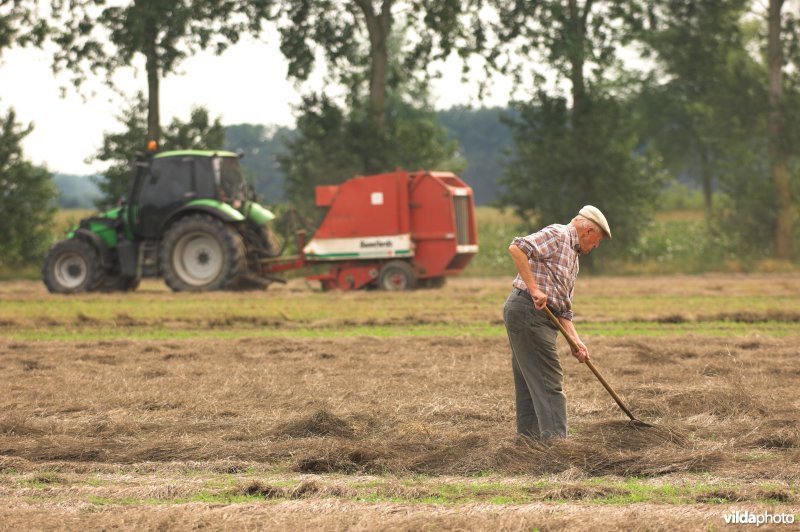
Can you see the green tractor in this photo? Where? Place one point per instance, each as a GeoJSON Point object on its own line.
{"type": "Point", "coordinates": [190, 217]}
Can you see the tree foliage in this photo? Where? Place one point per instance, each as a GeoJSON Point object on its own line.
{"type": "Point", "coordinates": [582, 149]}
{"type": "Point", "coordinates": [336, 141]}
{"type": "Point", "coordinates": [20, 23]}
{"type": "Point", "coordinates": [355, 38]}
{"type": "Point", "coordinates": [776, 129]}
{"type": "Point", "coordinates": [558, 168]}
{"type": "Point", "coordinates": [27, 199]}
{"type": "Point", "coordinates": [712, 109]}
{"type": "Point", "coordinates": [707, 93]}
{"type": "Point", "coordinates": [262, 147]}
{"type": "Point", "coordinates": [98, 35]}
{"type": "Point", "coordinates": [119, 148]}
{"type": "Point", "coordinates": [333, 144]}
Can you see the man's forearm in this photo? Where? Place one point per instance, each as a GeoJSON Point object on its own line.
{"type": "Point", "coordinates": [570, 328]}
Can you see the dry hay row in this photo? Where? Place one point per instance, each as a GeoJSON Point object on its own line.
{"type": "Point", "coordinates": [332, 514]}
{"type": "Point", "coordinates": [82, 321]}
{"type": "Point", "coordinates": [325, 443]}
{"type": "Point", "coordinates": [440, 406]}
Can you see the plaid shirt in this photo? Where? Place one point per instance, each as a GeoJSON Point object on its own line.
{"type": "Point", "coordinates": [553, 258]}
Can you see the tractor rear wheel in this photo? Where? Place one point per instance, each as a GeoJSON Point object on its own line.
{"type": "Point", "coordinates": [200, 253]}
{"type": "Point", "coordinates": [72, 266]}
{"type": "Point", "coordinates": [397, 275]}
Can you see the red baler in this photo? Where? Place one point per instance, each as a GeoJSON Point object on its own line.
{"type": "Point", "coordinates": [395, 231]}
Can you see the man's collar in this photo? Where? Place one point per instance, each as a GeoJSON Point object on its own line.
{"type": "Point", "coordinates": [575, 242]}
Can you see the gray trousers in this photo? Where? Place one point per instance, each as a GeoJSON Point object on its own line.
{"type": "Point", "coordinates": [538, 378]}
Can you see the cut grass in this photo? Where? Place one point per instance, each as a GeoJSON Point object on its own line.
{"type": "Point", "coordinates": [307, 307]}
{"type": "Point", "coordinates": [721, 329]}
{"type": "Point", "coordinates": [613, 491]}
{"type": "Point", "coordinates": [713, 305]}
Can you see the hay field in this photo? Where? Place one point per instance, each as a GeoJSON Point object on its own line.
{"type": "Point", "coordinates": [291, 408]}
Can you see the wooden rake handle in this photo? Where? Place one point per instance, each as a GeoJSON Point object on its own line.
{"type": "Point", "coordinates": [597, 374]}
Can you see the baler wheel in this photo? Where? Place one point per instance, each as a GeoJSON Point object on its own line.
{"type": "Point", "coordinates": [397, 275]}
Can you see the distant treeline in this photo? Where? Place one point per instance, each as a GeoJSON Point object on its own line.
{"type": "Point", "coordinates": [481, 135]}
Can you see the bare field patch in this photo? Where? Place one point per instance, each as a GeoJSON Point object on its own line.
{"type": "Point", "coordinates": [190, 425]}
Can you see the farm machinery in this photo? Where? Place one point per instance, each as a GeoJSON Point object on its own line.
{"type": "Point", "coordinates": [192, 219]}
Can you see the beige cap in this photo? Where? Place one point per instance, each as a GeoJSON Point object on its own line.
{"type": "Point", "coordinates": [593, 214]}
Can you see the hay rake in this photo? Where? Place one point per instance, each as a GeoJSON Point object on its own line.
{"type": "Point", "coordinates": [634, 421]}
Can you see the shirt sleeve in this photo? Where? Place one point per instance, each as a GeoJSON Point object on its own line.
{"type": "Point", "coordinates": [566, 314]}
{"type": "Point", "coordinates": [540, 245]}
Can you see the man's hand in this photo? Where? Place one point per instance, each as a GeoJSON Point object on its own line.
{"type": "Point", "coordinates": [582, 353]}
{"type": "Point", "coordinates": [539, 298]}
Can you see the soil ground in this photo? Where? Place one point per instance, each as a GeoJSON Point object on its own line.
{"type": "Point", "coordinates": [373, 421]}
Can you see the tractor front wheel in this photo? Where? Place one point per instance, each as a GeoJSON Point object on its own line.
{"type": "Point", "coordinates": [397, 275]}
{"type": "Point", "coordinates": [200, 253]}
{"type": "Point", "coordinates": [71, 266]}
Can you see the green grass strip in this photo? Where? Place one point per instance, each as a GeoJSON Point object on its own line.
{"type": "Point", "coordinates": [473, 330]}
{"type": "Point", "coordinates": [601, 491]}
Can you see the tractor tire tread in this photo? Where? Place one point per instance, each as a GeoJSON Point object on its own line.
{"type": "Point", "coordinates": [95, 273]}
{"type": "Point", "coordinates": [234, 259]}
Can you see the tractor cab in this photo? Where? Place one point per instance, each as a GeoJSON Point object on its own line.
{"type": "Point", "coordinates": [165, 183]}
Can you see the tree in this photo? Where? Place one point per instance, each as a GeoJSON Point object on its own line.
{"type": "Point", "coordinates": [118, 149]}
{"type": "Point", "coordinates": [580, 149]}
{"type": "Point", "coordinates": [706, 91]}
{"type": "Point", "coordinates": [27, 199]}
{"type": "Point", "coordinates": [19, 23]}
{"type": "Point", "coordinates": [92, 35]}
{"type": "Point", "coordinates": [550, 179]}
{"type": "Point", "coordinates": [262, 146]}
{"type": "Point", "coordinates": [27, 193]}
{"type": "Point", "coordinates": [776, 126]}
{"type": "Point", "coordinates": [338, 29]}
{"type": "Point", "coordinates": [336, 141]}
{"type": "Point", "coordinates": [727, 113]}
{"type": "Point", "coordinates": [333, 144]}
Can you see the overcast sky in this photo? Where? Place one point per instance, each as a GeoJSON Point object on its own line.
{"type": "Point", "coordinates": [246, 84]}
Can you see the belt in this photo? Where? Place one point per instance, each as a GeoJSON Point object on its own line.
{"type": "Point", "coordinates": [523, 293]}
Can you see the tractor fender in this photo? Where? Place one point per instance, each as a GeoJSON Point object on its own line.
{"type": "Point", "coordinates": [258, 214]}
{"type": "Point", "coordinates": [217, 209]}
{"type": "Point", "coordinates": [103, 251]}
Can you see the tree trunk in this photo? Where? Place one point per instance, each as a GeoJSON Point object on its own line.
{"type": "Point", "coordinates": [582, 166]}
{"type": "Point", "coordinates": [576, 44]}
{"type": "Point", "coordinates": [777, 152]}
{"type": "Point", "coordinates": [152, 67]}
{"type": "Point", "coordinates": [378, 26]}
{"type": "Point", "coordinates": [708, 183]}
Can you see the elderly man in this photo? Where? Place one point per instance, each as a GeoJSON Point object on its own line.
{"type": "Point", "coordinates": [547, 262]}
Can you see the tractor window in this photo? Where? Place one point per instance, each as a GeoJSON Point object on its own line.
{"type": "Point", "coordinates": [163, 188]}
{"type": "Point", "coordinates": [204, 178]}
{"type": "Point", "coordinates": [231, 183]}
{"type": "Point", "coordinates": [168, 182]}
